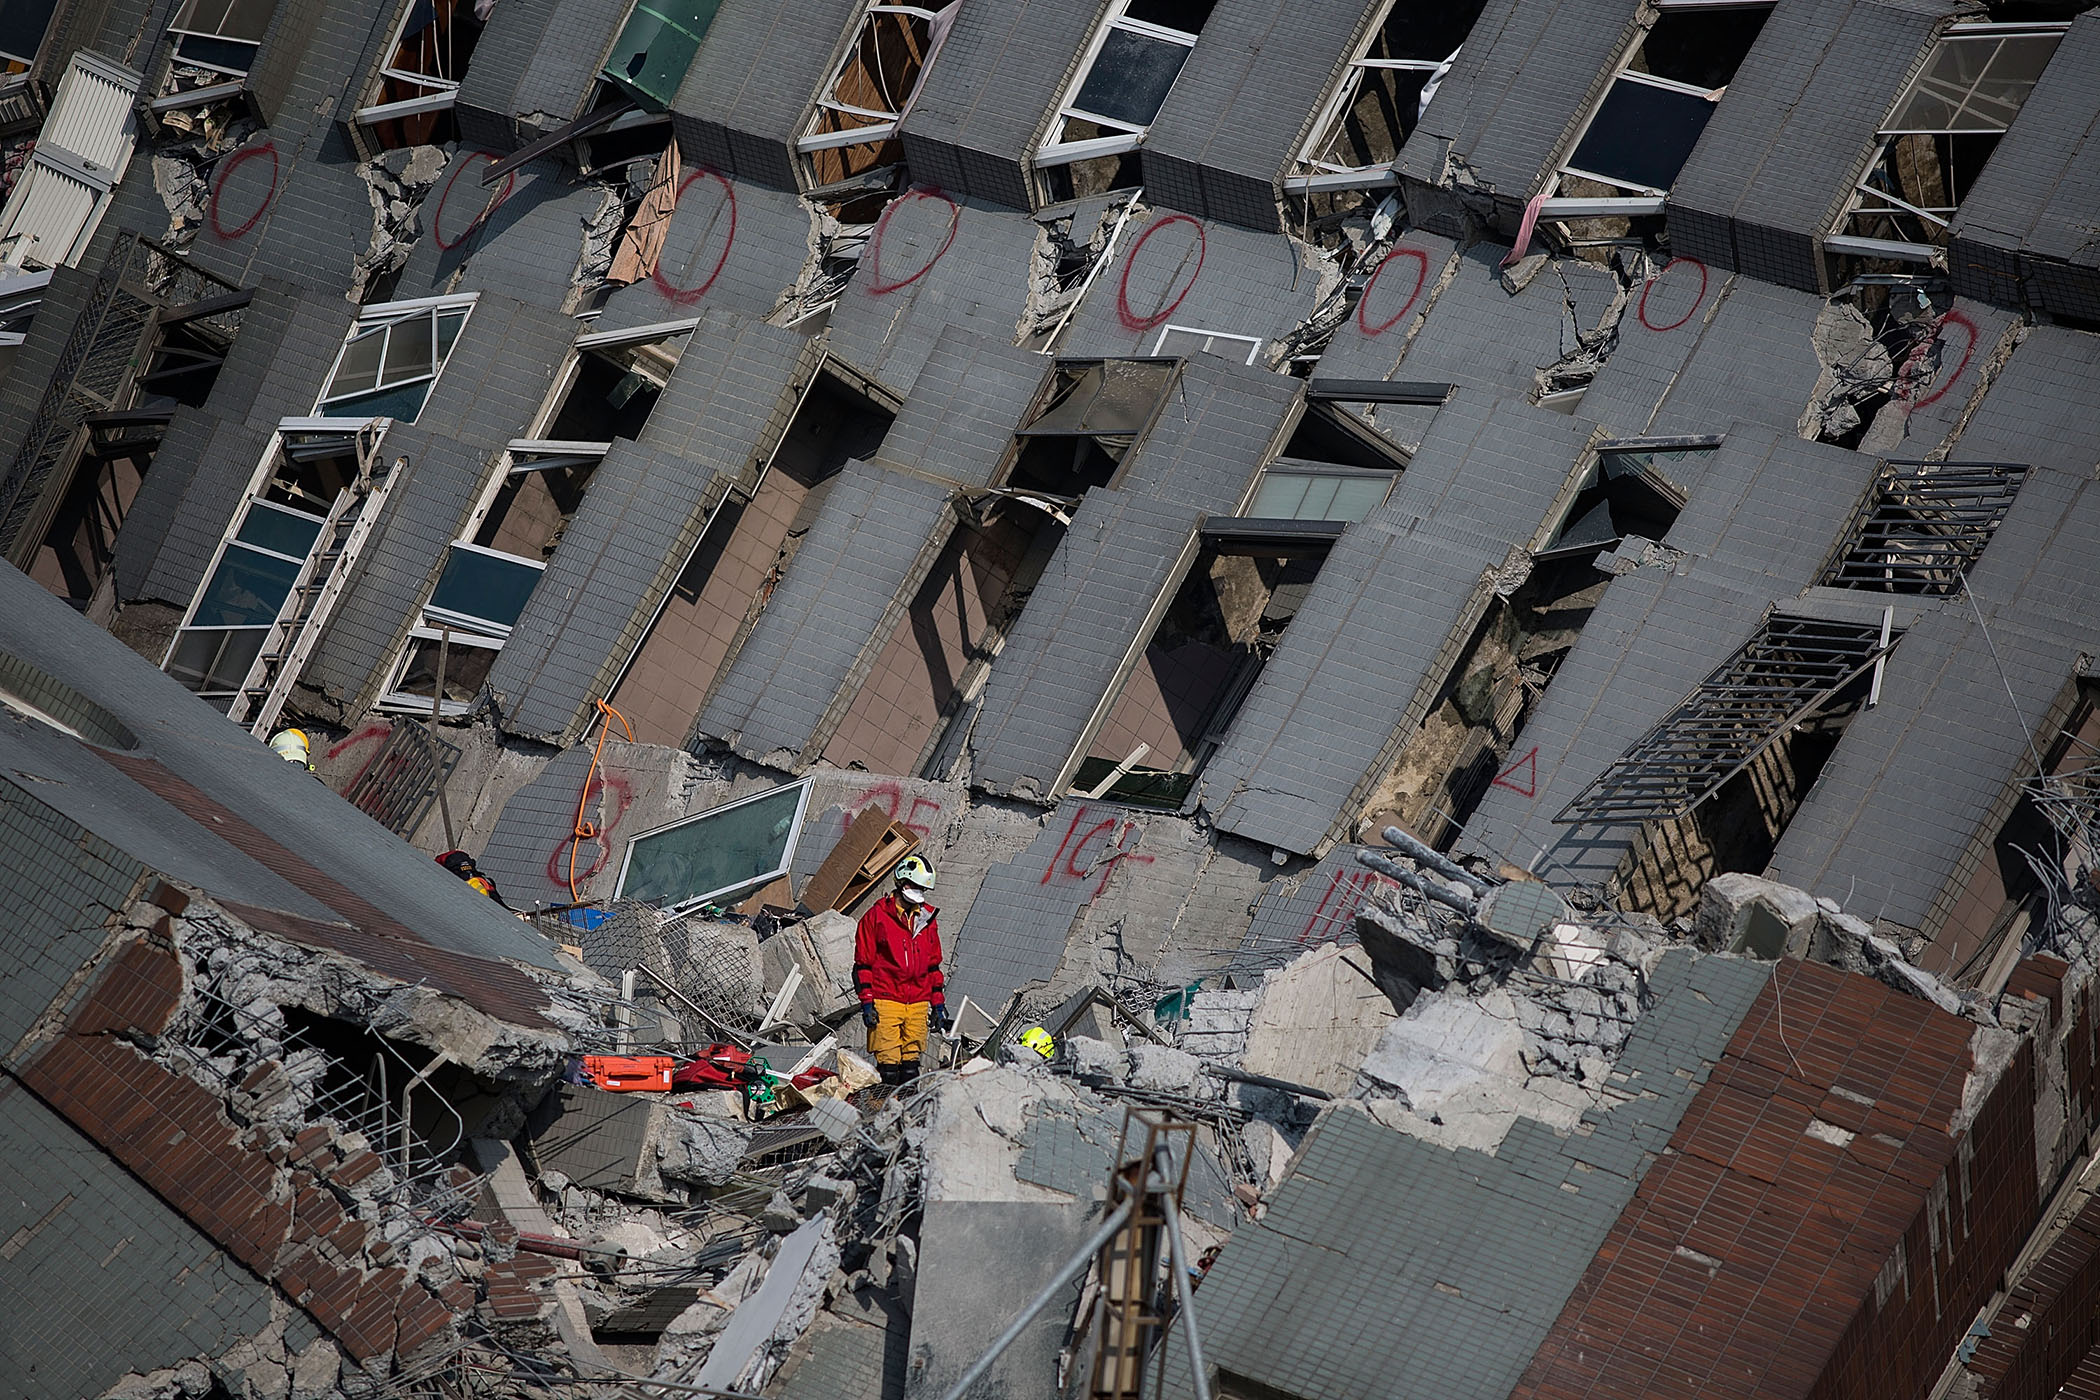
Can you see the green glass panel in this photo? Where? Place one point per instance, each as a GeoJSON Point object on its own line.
{"type": "Point", "coordinates": [484, 586]}
{"type": "Point", "coordinates": [718, 852]}
{"type": "Point", "coordinates": [280, 531]}
{"type": "Point", "coordinates": [402, 404]}
{"type": "Point", "coordinates": [1288, 495]}
{"type": "Point", "coordinates": [410, 350]}
{"type": "Point", "coordinates": [360, 366]}
{"type": "Point", "coordinates": [656, 46]}
{"type": "Point", "coordinates": [246, 590]}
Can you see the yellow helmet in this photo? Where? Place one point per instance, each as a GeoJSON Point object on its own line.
{"type": "Point", "coordinates": [291, 744]}
{"type": "Point", "coordinates": [1040, 1041]}
{"type": "Point", "coordinates": [915, 870]}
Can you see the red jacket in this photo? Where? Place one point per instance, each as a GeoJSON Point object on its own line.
{"type": "Point", "coordinates": [892, 960]}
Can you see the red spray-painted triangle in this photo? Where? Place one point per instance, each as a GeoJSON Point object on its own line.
{"type": "Point", "coordinates": [1529, 765]}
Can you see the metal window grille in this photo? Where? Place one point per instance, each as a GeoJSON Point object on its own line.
{"type": "Point", "coordinates": [1792, 668]}
{"type": "Point", "coordinates": [1923, 525]}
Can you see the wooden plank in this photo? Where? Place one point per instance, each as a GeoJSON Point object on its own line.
{"type": "Point", "coordinates": [896, 844]}
{"type": "Point", "coordinates": [862, 836]}
{"type": "Point", "coordinates": [780, 894]}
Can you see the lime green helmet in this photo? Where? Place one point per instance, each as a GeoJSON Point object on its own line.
{"type": "Point", "coordinates": [915, 870]}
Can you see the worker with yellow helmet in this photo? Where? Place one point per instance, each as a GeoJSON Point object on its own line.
{"type": "Point", "coordinates": [293, 746]}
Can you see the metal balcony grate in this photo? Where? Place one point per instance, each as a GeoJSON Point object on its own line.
{"type": "Point", "coordinates": [1923, 525]}
{"type": "Point", "coordinates": [1792, 668]}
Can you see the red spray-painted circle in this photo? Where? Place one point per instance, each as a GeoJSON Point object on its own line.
{"type": "Point", "coordinates": [1130, 319]}
{"type": "Point", "coordinates": [1907, 378]}
{"type": "Point", "coordinates": [459, 169]}
{"type": "Point", "coordinates": [686, 296]}
{"type": "Point", "coordinates": [880, 283]}
{"type": "Point", "coordinates": [1651, 284]}
{"type": "Point", "coordinates": [218, 189]}
{"type": "Point", "coordinates": [1421, 262]}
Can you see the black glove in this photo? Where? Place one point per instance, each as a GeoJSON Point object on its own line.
{"type": "Point", "coordinates": [942, 1021]}
{"type": "Point", "coordinates": [867, 1014]}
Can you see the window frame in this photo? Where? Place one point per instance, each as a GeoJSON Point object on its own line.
{"type": "Point", "coordinates": [385, 316]}
{"type": "Point", "coordinates": [885, 126]}
{"type": "Point", "coordinates": [1052, 151]}
{"type": "Point", "coordinates": [1837, 240]}
{"type": "Point", "coordinates": [1638, 200]}
{"type": "Point", "coordinates": [1310, 175]}
{"type": "Point", "coordinates": [393, 698]}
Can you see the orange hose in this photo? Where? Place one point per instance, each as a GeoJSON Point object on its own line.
{"type": "Point", "coordinates": [585, 831]}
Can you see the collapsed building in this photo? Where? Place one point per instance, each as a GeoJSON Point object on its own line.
{"type": "Point", "coordinates": [1132, 454]}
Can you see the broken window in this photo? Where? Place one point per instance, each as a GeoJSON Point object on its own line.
{"type": "Point", "coordinates": [459, 661]}
{"type": "Point", "coordinates": [1161, 725]}
{"type": "Point", "coordinates": [734, 848]}
{"type": "Point", "coordinates": [1643, 129]}
{"type": "Point", "coordinates": [1381, 96]}
{"type": "Point", "coordinates": [854, 127]}
{"type": "Point", "coordinates": [220, 36]}
{"type": "Point", "coordinates": [1942, 131]}
{"type": "Point", "coordinates": [393, 356]}
{"type": "Point", "coordinates": [309, 509]}
{"type": "Point", "coordinates": [410, 104]}
{"type": "Point", "coordinates": [1922, 525]}
{"type": "Point", "coordinates": [1186, 341]}
{"type": "Point", "coordinates": [1120, 87]}
{"type": "Point", "coordinates": [1079, 434]}
{"type": "Point", "coordinates": [1626, 494]}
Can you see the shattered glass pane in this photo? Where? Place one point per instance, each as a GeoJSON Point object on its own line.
{"type": "Point", "coordinates": [1974, 83]}
{"type": "Point", "coordinates": [716, 853]}
{"type": "Point", "coordinates": [448, 331]}
{"type": "Point", "coordinates": [1642, 135]}
{"type": "Point", "coordinates": [1377, 120]}
{"type": "Point", "coordinates": [1113, 397]}
{"type": "Point", "coordinates": [1130, 77]}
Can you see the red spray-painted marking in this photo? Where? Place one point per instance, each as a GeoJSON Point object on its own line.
{"type": "Point", "coordinates": [1344, 895]}
{"type": "Point", "coordinates": [218, 188]}
{"type": "Point", "coordinates": [686, 296]}
{"type": "Point", "coordinates": [1529, 763]}
{"type": "Point", "coordinates": [1130, 319]}
{"type": "Point", "coordinates": [879, 283]}
{"type": "Point", "coordinates": [558, 861]}
{"type": "Point", "coordinates": [459, 169]}
{"type": "Point", "coordinates": [1066, 866]}
{"type": "Point", "coordinates": [373, 734]}
{"type": "Point", "coordinates": [1907, 378]}
{"type": "Point", "coordinates": [890, 797]}
{"type": "Point", "coordinates": [1651, 284]}
{"type": "Point", "coordinates": [1421, 262]}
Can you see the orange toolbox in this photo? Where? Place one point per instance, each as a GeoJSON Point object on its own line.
{"type": "Point", "coordinates": [626, 1073]}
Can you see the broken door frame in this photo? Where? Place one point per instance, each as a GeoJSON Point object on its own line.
{"type": "Point", "coordinates": [1307, 174]}
{"type": "Point", "coordinates": [885, 123]}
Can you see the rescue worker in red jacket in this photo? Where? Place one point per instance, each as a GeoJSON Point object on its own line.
{"type": "Point", "coordinates": [897, 971]}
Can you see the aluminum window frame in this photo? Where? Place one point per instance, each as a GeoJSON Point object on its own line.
{"type": "Point", "coordinates": [787, 855]}
{"type": "Point", "coordinates": [386, 316]}
{"type": "Point", "coordinates": [1053, 151]}
{"type": "Point", "coordinates": [1636, 200]}
{"type": "Point", "coordinates": [1254, 342]}
{"type": "Point", "coordinates": [1838, 240]}
{"type": "Point", "coordinates": [1309, 174]}
{"type": "Point", "coordinates": [396, 700]}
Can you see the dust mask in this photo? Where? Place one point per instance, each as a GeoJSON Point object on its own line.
{"type": "Point", "coordinates": [911, 894]}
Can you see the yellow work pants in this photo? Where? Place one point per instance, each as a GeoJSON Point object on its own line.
{"type": "Point", "coordinates": [899, 1036]}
